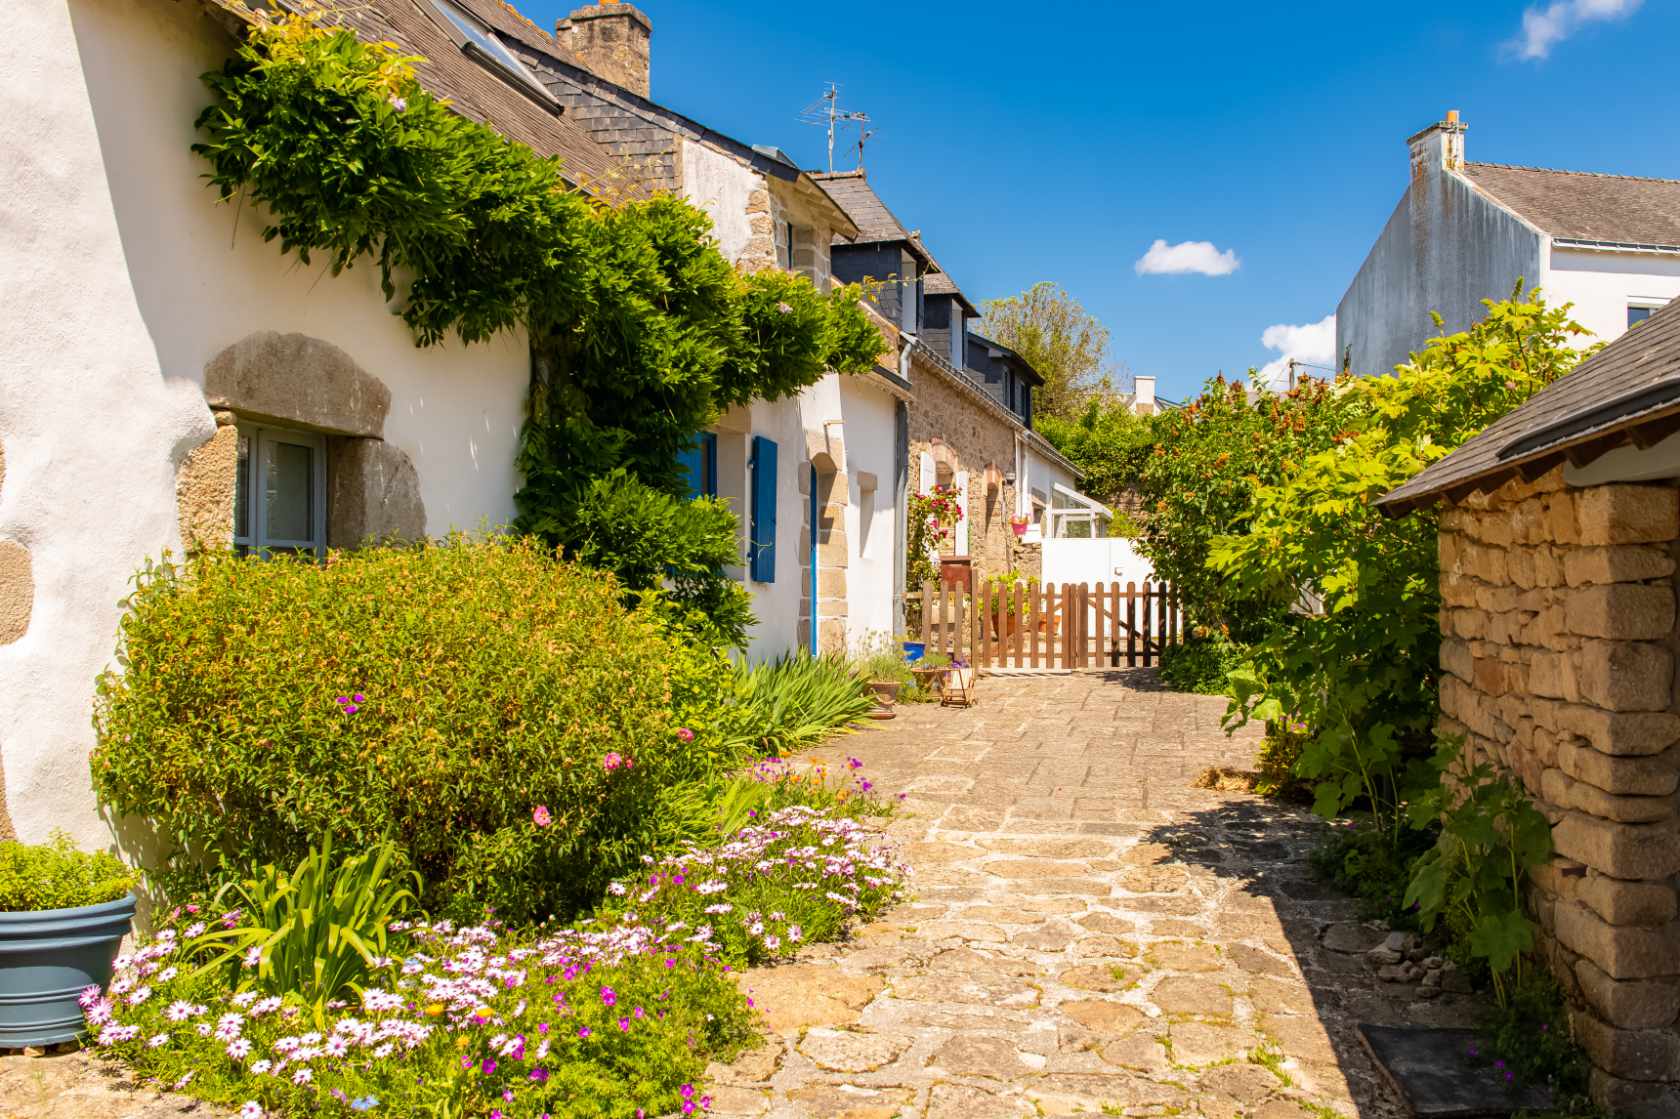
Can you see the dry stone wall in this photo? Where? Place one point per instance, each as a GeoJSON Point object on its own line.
{"type": "Point", "coordinates": [957, 427]}
{"type": "Point", "coordinates": [1558, 658]}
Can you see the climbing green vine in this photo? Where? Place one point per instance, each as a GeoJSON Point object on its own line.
{"type": "Point", "coordinates": [642, 332]}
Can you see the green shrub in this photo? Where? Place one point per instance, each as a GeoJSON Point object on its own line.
{"type": "Point", "coordinates": [436, 695]}
{"type": "Point", "coordinates": [1475, 879]}
{"type": "Point", "coordinates": [317, 931]}
{"type": "Point", "coordinates": [653, 541]}
{"type": "Point", "coordinates": [55, 875]}
{"type": "Point", "coordinates": [1351, 636]}
{"type": "Point", "coordinates": [1199, 665]}
{"type": "Point", "coordinates": [1373, 867]}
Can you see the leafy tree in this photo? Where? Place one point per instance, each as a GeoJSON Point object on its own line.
{"type": "Point", "coordinates": [1199, 481]}
{"type": "Point", "coordinates": [1064, 342]}
{"type": "Point", "coordinates": [1106, 441]}
{"type": "Point", "coordinates": [1351, 639]}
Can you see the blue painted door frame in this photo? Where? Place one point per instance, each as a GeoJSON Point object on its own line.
{"type": "Point", "coordinates": [815, 514]}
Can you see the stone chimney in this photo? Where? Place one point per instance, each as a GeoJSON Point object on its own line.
{"type": "Point", "coordinates": [1143, 396]}
{"type": "Point", "coordinates": [612, 40]}
{"type": "Point", "coordinates": [1440, 147]}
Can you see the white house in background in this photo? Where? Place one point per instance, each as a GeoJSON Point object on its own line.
{"type": "Point", "coordinates": [1464, 232]}
{"type": "Point", "coordinates": [817, 480]}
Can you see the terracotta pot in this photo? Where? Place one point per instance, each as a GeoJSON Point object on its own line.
{"type": "Point", "coordinates": [886, 691]}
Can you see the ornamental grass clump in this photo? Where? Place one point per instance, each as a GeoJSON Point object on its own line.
{"type": "Point", "coordinates": [430, 694]}
{"type": "Point", "coordinates": [455, 1021]}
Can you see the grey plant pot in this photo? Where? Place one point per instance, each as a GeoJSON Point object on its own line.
{"type": "Point", "coordinates": [47, 957]}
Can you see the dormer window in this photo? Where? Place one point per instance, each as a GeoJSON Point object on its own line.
{"type": "Point", "coordinates": [481, 41]}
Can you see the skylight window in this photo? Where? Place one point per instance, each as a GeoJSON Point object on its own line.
{"type": "Point", "coordinates": [481, 40]}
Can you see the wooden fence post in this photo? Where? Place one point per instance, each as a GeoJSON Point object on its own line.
{"type": "Point", "coordinates": [1144, 637]}
{"type": "Point", "coordinates": [1131, 625]}
{"type": "Point", "coordinates": [1162, 628]}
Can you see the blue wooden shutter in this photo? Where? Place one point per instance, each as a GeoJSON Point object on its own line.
{"type": "Point", "coordinates": [763, 534]}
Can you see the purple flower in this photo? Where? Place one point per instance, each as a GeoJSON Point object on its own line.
{"type": "Point", "coordinates": [540, 816]}
{"type": "Point", "coordinates": [685, 735]}
{"type": "Point", "coordinates": [609, 997]}
{"type": "Point", "coordinates": [583, 1031]}
{"type": "Point", "coordinates": [489, 1065]}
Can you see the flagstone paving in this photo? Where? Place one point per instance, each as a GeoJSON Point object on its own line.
{"type": "Point", "coordinates": [1088, 932]}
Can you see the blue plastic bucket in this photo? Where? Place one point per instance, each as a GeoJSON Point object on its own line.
{"type": "Point", "coordinates": [914, 651]}
{"type": "Point", "coordinates": [47, 958]}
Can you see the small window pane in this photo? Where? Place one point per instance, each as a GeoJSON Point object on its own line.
{"type": "Point", "coordinates": [290, 491]}
{"type": "Point", "coordinates": [1639, 314]}
{"type": "Point", "coordinates": [242, 491]}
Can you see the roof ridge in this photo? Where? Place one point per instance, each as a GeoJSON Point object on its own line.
{"type": "Point", "coordinates": [1562, 171]}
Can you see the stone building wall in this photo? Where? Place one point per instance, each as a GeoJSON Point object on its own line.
{"type": "Point", "coordinates": [966, 430]}
{"type": "Point", "coordinates": [1558, 659]}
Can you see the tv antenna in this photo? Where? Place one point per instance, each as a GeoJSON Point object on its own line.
{"type": "Point", "coordinates": [825, 111]}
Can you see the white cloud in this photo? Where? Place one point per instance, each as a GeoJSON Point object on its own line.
{"type": "Point", "coordinates": [1199, 257]}
{"type": "Point", "coordinates": [1313, 343]}
{"type": "Point", "coordinates": [1545, 26]}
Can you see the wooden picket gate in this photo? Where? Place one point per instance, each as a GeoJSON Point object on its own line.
{"type": "Point", "coordinates": [1029, 625]}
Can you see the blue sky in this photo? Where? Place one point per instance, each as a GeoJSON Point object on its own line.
{"type": "Point", "coordinates": [1059, 142]}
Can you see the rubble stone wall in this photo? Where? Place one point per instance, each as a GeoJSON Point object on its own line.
{"type": "Point", "coordinates": [1558, 664]}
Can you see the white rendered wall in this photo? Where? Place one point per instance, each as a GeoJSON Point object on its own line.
{"type": "Point", "coordinates": [1601, 285]}
{"type": "Point", "coordinates": [1042, 475]}
{"type": "Point", "coordinates": [1445, 248]}
{"type": "Point", "coordinates": [121, 277]}
{"type": "Point", "coordinates": [721, 186]}
{"type": "Point", "coordinates": [872, 520]}
{"type": "Point", "coordinates": [1103, 560]}
{"type": "Point", "coordinates": [775, 604]}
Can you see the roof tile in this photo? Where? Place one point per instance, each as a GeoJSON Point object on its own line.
{"type": "Point", "coordinates": [1583, 206]}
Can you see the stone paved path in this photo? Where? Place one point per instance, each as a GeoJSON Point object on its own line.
{"type": "Point", "coordinates": [1089, 933]}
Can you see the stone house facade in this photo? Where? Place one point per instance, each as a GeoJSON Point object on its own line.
{"type": "Point", "coordinates": [1559, 545]}
{"type": "Point", "coordinates": [961, 436]}
{"type": "Point", "coordinates": [969, 424]}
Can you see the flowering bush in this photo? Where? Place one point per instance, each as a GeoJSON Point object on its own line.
{"type": "Point", "coordinates": [616, 1016]}
{"type": "Point", "coordinates": [797, 874]}
{"type": "Point", "coordinates": [434, 694]}
{"type": "Point", "coordinates": [457, 1020]}
{"type": "Point", "coordinates": [932, 519]}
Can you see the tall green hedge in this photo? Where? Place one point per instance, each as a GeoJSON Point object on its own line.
{"type": "Point", "coordinates": [438, 694]}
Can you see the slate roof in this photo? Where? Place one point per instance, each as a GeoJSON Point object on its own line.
{"type": "Point", "coordinates": [1627, 392]}
{"type": "Point", "coordinates": [1584, 206]}
{"type": "Point", "coordinates": [477, 89]}
{"type": "Point", "coordinates": [643, 132]}
{"type": "Point", "coordinates": [852, 193]}
{"type": "Point", "coordinates": [941, 283]}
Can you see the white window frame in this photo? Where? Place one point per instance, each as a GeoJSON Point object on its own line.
{"type": "Point", "coordinates": [255, 537]}
{"type": "Point", "coordinates": [1649, 306]}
